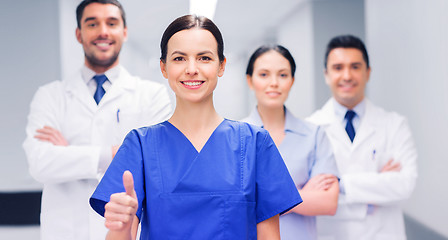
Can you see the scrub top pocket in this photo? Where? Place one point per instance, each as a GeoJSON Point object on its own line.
{"type": "Point", "coordinates": [187, 216]}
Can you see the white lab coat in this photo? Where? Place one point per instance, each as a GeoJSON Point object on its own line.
{"type": "Point", "coordinates": [380, 136]}
{"type": "Point", "coordinates": [70, 174]}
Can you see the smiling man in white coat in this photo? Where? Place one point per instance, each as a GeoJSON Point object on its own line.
{"type": "Point", "coordinates": [76, 125]}
{"type": "Point", "coordinates": [374, 151]}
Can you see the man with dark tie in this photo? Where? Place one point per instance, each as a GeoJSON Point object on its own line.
{"type": "Point", "coordinates": [76, 125]}
{"type": "Point", "coordinates": [373, 148]}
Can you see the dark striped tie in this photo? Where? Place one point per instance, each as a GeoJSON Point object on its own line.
{"type": "Point", "coordinates": [99, 93]}
{"type": "Point", "coordinates": [349, 127]}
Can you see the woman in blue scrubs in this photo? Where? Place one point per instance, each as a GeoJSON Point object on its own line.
{"type": "Point", "coordinates": [303, 146]}
{"type": "Point", "coordinates": [197, 175]}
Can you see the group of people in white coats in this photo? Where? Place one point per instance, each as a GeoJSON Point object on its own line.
{"type": "Point", "coordinates": [193, 174]}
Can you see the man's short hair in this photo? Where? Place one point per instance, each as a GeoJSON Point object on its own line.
{"type": "Point", "coordinates": [347, 41]}
{"type": "Point", "coordinates": [83, 5]}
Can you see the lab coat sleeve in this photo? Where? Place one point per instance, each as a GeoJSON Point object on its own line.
{"type": "Point", "coordinates": [49, 163]}
{"type": "Point", "coordinates": [389, 187]}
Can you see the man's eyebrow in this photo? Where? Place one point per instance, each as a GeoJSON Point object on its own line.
{"type": "Point", "coordinates": [89, 19]}
{"type": "Point", "coordinates": [94, 18]}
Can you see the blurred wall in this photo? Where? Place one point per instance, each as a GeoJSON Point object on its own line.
{"type": "Point", "coordinates": [29, 57]}
{"type": "Point", "coordinates": [408, 46]}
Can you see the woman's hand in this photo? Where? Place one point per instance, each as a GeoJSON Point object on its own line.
{"type": "Point", "coordinates": [320, 182]}
{"type": "Point", "coordinates": [121, 209]}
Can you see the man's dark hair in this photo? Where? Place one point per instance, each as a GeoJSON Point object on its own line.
{"type": "Point", "coordinates": [347, 41]}
{"type": "Point", "coordinates": [83, 5]}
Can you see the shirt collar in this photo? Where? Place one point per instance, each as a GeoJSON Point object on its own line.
{"type": "Point", "coordinates": [291, 122]}
{"type": "Point", "coordinates": [111, 74]}
{"type": "Point", "coordinates": [341, 110]}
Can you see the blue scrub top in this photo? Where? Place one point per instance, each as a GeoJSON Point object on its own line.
{"type": "Point", "coordinates": [237, 180]}
{"type": "Point", "coordinates": [307, 153]}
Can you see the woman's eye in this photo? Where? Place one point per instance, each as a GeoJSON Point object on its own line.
{"type": "Point", "coordinates": [283, 75]}
{"type": "Point", "coordinates": [263, 74]}
{"type": "Point", "coordinates": [205, 58]}
{"type": "Point", "coordinates": [178, 59]}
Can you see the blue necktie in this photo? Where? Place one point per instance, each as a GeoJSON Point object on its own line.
{"type": "Point", "coordinates": [99, 93]}
{"type": "Point", "coordinates": [349, 127]}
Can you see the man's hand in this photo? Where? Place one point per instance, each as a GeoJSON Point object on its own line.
{"type": "Point", "coordinates": [391, 166]}
{"type": "Point", "coordinates": [49, 134]}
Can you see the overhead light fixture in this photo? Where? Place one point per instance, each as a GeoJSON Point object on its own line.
{"type": "Point", "coordinates": [204, 8]}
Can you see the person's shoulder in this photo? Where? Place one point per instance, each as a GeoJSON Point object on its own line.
{"type": "Point", "coordinates": [382, 114]}
{"type": "Point", "coordinates": [52, 90]}
{"type": "Point", "coordinates": [323, 115]}
{"type": "Point", "coordinates": [53, 85]}
{"type": "Point", "coordinates": [306, 127]}
{"type": "Point", "coordinates": [247, 127]}
{"type": "Point", "coordinates": [155, 127]}
{"type": "Point", "coordinates": [143, 132]}
{"type": "Point", "coordinates": [251, 133]}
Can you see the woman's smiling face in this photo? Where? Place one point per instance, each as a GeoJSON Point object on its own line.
{"type": "Point", "coordinates": [271, 79]}
{"type": "Point", "coordinates": [192, 65]}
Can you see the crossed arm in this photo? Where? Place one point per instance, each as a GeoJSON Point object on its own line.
{"type": "Point", "coordinates": [319, 195]}
{"type": "Point", "coordinates": [52, 135]}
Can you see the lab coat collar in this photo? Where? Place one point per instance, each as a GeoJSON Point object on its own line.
{"type": "Point", "coordinates": [76, 87]}
{"type": "Point", "coordinates": [112, 74]}
{"type": "Point", "coordinates": [124, 83]}
{"type": "Point", "coordinates": [366, 128]}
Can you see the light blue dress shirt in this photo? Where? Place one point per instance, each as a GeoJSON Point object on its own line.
{"type": "Point", "coordinates": [307, 153]}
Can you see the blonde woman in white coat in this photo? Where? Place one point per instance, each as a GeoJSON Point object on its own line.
{"type": "Point", "coordinates": [377, 165]}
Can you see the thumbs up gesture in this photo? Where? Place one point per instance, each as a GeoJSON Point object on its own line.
{"type": "Point", "coordinates": [121, 209]}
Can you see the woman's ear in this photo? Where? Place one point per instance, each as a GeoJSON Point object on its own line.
{"type": "Point", "coordinates": [222, 68]}
{"type": "Point", "coordinates": [249, 81]}
{"type": "Point", "coordinates": [163, 69]}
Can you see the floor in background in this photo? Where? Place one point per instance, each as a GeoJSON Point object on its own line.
{"type": "Point", "coordinates": [418, 231]}
{"type": "Point", "coordinates": [19, 233]}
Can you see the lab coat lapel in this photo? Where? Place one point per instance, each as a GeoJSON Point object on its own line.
{"type": "Point", "coordinates": [76, 88]}
{"type": "Point", "coordinates": [333, 126]}
{"type": "Point", "coordinates": [367, 127]}
{"type": "Point", "coordinates": [125, 82]}
{"type": "Point", "coordinates": [336, 131]}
